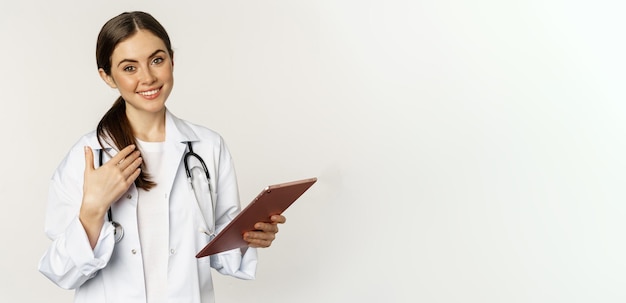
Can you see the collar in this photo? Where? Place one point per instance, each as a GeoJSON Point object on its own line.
{"type": "Point", "coordinates": [176, 130]}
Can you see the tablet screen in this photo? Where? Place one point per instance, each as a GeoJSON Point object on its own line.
{"type": "Point", "coordinates": [273, 200]}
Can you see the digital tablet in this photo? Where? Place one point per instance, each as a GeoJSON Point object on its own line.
{"type": "Point", "coordinates": [273, 200]}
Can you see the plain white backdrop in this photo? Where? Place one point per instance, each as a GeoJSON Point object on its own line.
{"type": "Point", "coordinates": [467, 151]}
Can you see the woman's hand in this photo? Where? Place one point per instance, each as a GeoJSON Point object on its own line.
{"type": "Point", "coordinates": [105, 185]}
{"type": "Point", "coordinates": [265, 233]}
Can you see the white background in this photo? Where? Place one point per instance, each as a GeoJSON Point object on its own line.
{"type": "Point", "coordinates": [467, 151]}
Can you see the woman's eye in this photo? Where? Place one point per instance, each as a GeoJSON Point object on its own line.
{"type": "Point", "coordinates": [129, 68]}
{"type": "Point", "coordinates": [157, 60]}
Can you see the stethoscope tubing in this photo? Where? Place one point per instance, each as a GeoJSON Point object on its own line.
{"type": "Point", "coordinates": [211, 227]}
{"type": "Point", "coordinates": [190, 153]}
{"type": "Point", "coordinates": [118, 229]}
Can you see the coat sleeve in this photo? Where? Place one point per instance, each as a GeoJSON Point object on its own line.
{"type": "Point", "coordinates": [237, 263]}
{"type": "Point", "coordinates": [69, 261]}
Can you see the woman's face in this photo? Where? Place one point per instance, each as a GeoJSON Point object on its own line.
{"type": "Point", "coordinates": [141, 69]}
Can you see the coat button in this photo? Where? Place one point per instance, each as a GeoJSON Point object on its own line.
{"type": "Point", "coordinates": [172, 251]}
{"type": "Point", "coordinates": [129, 196]}
{"type": "Point", "coordinates": [133, 251]}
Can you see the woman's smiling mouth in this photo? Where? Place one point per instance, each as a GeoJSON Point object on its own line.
{"type": "Point", "coordinates": [150, 94]}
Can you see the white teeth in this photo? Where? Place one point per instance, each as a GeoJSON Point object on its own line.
{"type": "Point", "coordinates": [149, 93]}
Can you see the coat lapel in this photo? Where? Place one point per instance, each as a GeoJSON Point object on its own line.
{"type": "Point", "coordinates": [176, 136]}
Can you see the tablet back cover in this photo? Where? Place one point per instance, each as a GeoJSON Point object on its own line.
{"type": "Point", "coordinates": [273, 200]}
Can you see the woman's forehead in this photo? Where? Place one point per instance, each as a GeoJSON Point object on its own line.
{"type": "Point", "coordinates": [140, 45]}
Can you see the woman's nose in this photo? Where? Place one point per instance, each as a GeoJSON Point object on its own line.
{"type": "Point", "coordinates": [148, 76]}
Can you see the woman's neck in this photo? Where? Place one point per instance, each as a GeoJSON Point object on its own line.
{"type": "Point", "coordinates": [148, 127]}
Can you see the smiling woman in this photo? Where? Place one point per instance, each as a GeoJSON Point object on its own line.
{"type": "Point", "coordinates": [144, 185]}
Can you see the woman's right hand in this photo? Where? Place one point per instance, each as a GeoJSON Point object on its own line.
{"type": "Point", "coordinates": [104, 185]}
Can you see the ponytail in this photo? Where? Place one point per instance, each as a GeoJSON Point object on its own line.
{"type": "Point", "coordinates": [115, 126]}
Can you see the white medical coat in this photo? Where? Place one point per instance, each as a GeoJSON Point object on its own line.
{"type": "Point", "coordinates": [113, 272]}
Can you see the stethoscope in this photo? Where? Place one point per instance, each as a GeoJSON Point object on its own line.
{"type": "Point", "coordinates": [118, 231]}
{"type": "Point", "coordinates": [196, 186]}
{"type": "Point", "coordinates": [201, 190]}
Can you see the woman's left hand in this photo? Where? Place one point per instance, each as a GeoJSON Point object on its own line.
{"type": "Point", "coordinates": [265, 233]}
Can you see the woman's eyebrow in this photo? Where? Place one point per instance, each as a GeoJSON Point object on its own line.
{"type": "Point", "coordinates": [135, 61]}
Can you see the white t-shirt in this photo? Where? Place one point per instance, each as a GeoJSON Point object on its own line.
{"type": "Point", "coordinates": [153, 221]}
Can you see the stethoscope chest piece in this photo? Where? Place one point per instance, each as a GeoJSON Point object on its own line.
{"type": "Point", "coordinates": [118, 232]}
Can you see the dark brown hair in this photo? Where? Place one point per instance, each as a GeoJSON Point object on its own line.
{"type": "Point", "coordinates": [114, 124]}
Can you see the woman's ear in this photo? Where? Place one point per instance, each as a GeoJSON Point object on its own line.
{"type": "Point", "coordinates": [107, 79]}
